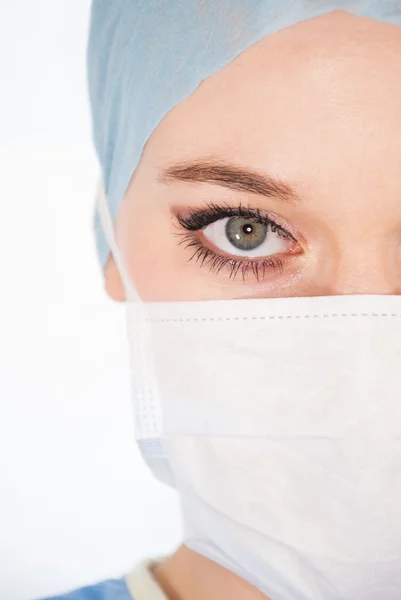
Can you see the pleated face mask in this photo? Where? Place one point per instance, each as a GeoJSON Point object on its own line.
{"type": "Point", "coordinates": [278, 420]}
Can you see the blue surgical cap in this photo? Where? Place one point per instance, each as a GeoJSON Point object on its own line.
{"type": "Point", "coordinates": [145, 56]}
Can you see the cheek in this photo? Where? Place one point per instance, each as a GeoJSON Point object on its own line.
{"type": "Point", "coordinates": [155, 262]}
{"type": "Point", "coordinates": [142, 242]}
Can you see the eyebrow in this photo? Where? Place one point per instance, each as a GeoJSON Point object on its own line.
{"type": "Point", "coordinates": [231, 176]}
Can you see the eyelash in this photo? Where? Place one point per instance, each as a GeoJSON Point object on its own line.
{"type": "Point", "coordinates": [198, 219]}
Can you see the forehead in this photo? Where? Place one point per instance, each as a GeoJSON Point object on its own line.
{"type": "Point", "coordinates": [333, 76]}
{"type": "Point", "coordinates": [317, 104]}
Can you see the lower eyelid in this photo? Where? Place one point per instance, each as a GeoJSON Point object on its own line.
{"type": "Point", "coordinates": [217, 262]}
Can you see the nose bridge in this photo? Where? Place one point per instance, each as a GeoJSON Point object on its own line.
{"type": "Point", "coordinates": [360, 249]}
{"type": "Point", "coordinates": [366, 268]}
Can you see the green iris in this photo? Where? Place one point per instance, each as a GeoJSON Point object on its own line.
{"type": "Point", "coordinates": [245, 234]}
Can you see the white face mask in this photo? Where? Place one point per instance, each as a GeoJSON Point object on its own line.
{"type": "Point", "coordinates": [279, 422]}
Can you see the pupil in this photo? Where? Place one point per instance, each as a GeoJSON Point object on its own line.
{"type": "Point", "coordinates": [248, 228]}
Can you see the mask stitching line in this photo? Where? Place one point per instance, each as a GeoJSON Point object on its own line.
{"type": "Point", "coordinates": [269, 317]}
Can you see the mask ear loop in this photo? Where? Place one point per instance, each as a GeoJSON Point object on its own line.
{"type": "Point", "coordinates": [108, 229]}
{"type": "Point", "coordinates": [148, 412]}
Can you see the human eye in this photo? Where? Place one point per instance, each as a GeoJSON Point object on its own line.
{"type": "Point", "coordinates": [239, 239]}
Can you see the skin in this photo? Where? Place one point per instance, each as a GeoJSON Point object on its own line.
{"type": "Point", "coordinates": [317, 105]}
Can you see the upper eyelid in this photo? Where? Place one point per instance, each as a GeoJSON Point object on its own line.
{"type": "Point", "coordinates": [215, 212]}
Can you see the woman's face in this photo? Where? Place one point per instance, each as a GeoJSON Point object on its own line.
{"type": "Point", "coordinates": [279, 176]}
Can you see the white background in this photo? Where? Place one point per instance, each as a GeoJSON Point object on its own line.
{"type": "Point", "coordinates": [76, 503]}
